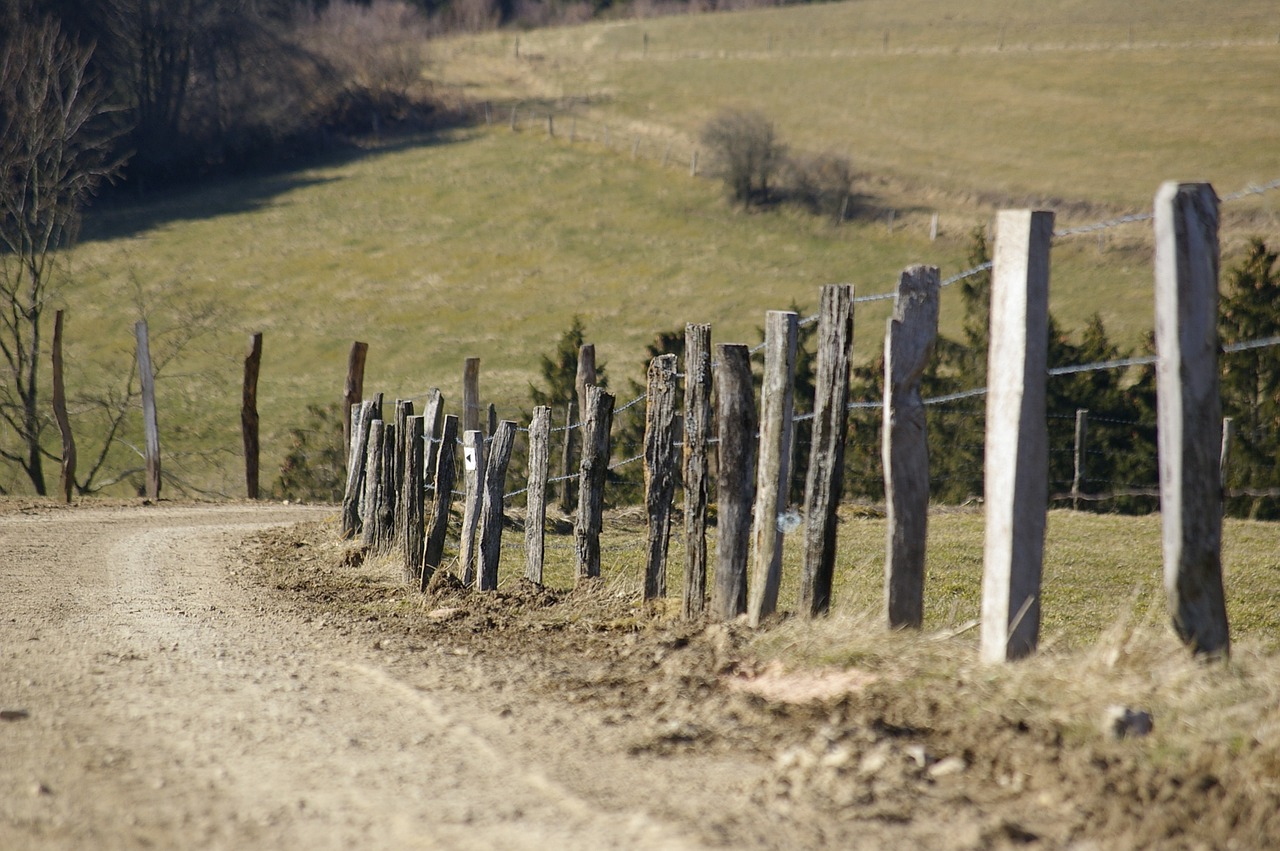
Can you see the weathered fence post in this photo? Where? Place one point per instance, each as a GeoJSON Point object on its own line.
{"type": "Point", "coordinates": [596, 424]}
{"type": "Point", "coordinates": [1189, 413]}
{"type": "Point", "coordinates": [735, 488]}
{"type": "Point", "coordinates": [535, 515]}
{"type": "Point", "coordinates": [1017, 465]}
{"type": "Point", "coordinates": [473, 478]}
{"type": "Point", "coordinates": [361, 420]}
{"type": "Point", "coordinates": [433, 419]}
{"type": "Point", "coordinates": [470, 395]}
{"type": "Point", "coordinates": [1224, 457]}
{"type": "Point", "coordinates": [491, 420]}
{"type": "Point", "coordinates": [1081, 448]}
{"type": "Point", "coordinates": [388, 489]}
{"type": "Point", "coordinates": [568, 487]}
{"type": "Point", "coordinates": [353, 390]}
{"type": "Point", "coordinates": [372, 481]}
{"type": "Point", "coordinates": [773, 475]}
{"type": "Point", "coordinates": [495, 480]}
{"type": "Point", "coordinates": [908, 346]}
{"type": "Point", "coordinates": [697, 425]}
{"type": "Point", "coordinates": [659, 470]}
{"type": "Point", "coordinates": [151, 428]}
{"type": "Point", "coordinates": [67, 479]}
{"type": "Point", "coordinates": [693, 165]}
{"type": "Point", "coordinates": [433, 550]}
{"type": "Point", "coordinates": [825, 478]}
{"type": "Point", "coordinates": [249, 415]}
{"type": "Point", "coordinates": [404, 410]}
{"type": "Point", "coordinates": [412, 525]}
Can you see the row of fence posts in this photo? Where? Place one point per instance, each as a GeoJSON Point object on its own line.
{"type": "Point", "coordinates": [391, 462]}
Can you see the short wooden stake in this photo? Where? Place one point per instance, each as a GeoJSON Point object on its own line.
{"type": "Point", "coordinates": [535, 516]}
{"type": "Point", "coordinates": [825, 479]}
{"type": "Point", "coordinates": [773, 476]}
{"type": "Point", "coordinates": [697, 429]}
{"type": "Point", "coordinates": [151, 430]}
{"type": "Point", "coordinates": [438, 525]}
{"type": "Point", "coordinates": [595, 464]}
{"type": "Point", "coordinates": [412, 526]}
{"type": "Point", "coordinates": [495, 480]}
{"type": "Point", "coordinates": [1017, 465]}
{"type": "Point", "coordinates": [909, 340]}
{"type": "Point", "coordinates": [249, 415]}
{"type": "Point", "coordinates": [473, 475]}
{"type": "Point", "coordinates": [933, 228]}
{"type": "Point", "coordinates": [659, 470]}
{"type": "Point", "coordinates": [735, 482]}
{"type": "Point", "coordinates": [693, 165]}
{"type": "Point", "coordinates": [1189, 411]}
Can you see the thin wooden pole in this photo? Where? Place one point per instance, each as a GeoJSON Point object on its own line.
{"type": "Point", "coordinates": [403, 411]}
{"type": "Point", "coordinates": [372, 481]}
{"type": "Point", "coordinates": [1081, 449]}
{"type": "Point", "coordinates": [412, 524]}
{"type": "Point", "coordinates": [568, 487]}
{"type": "Point", "coordinates": [438, 526]}
{"type": "Point", "coordinates": [909, 341]}
{"type": "Point", "coordinates": [67, 480]}
{"type": "Point", "coordinates": [495, 480]}
{"type": "Point", "coordinates": [659, 470]}
{"type": "Point", "coordinates": [1224, 457]}
{"type": "Point", "coordinates": [773, 475]}
{"type": "Point", "coordinates": [1189, 411]}
{"type": "Point", "coordinates": [697, 425]}
{"type": "Point", "coordinates": [1017, 465]}
{"type": "Point", "coordinates": [473, 476]}
{"type": "Point", "coordinates": [150, 426]}
{"type": "Point", "coordinates": [735, 483]}
{"type": "Point", "coordinates": [536, 498]}
{"type": "Point", "coordinates": [249, 414]}
{"type": "Point", "coordinates": [825, 479]}
{"type": "Point", "coordinates": [471, 395]}
{"type": "Point", "coordinates": [595, 464]}
{"type": "Point", "coordinates": [353, 390]}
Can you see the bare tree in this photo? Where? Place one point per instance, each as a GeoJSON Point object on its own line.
{"type": "Point", "coordinates": [745, 153]}
{"type": "Point", "coordinates": [55, 150]}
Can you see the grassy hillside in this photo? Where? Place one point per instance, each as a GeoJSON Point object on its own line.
{"type": "Point", "coordinates": [486, 242]}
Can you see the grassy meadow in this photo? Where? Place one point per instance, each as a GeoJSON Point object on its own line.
{"type": "Point", "coordinates": [482, 242]}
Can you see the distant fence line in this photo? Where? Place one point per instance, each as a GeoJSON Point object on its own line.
{"type": "Point", "coordinates": [755, 508]}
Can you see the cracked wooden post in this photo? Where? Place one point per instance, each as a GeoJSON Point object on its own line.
{"type": "Point", "coordinates": [495, 480]}
{"type": "Point", "coordinates": [403, 410]}
{"type": "Point", "coordinates": [67, 477]}
{"type": "Point", "coordinates": [773, 474]}
{"type": "Point", "coordinates": [1189, 413]}
{"type": "Point", "coordinates": [433, 420]}
{"type": "Point", "coordinates": [249, 415]}
{"type": "Point", "coordinates": [473, 475]}
{"type": "Point", "coordinates": [735, 479]}
{"type": "Point", "coordinates": [412, 524]}
{"type": "Point", "coordinates": [697, 425]}
{"type": "Point", "coordinates": [535, 515]}
{"type": "Point", "coordinates": [433, 549]}
{"type": "Point", "coordinates": [596, 424]}
{"type": "Point", "coordinates": [825, 478]}
{"type": "Point", "coordinates": [151, 429]}
{"type": "Point", "coordinates": [352, 391]}
{"type": "Point", "coordinates": [908, 345]}
{"type": "Point", "coordinates": [357, 456]}
{"type": "Point", "coordinates": [659, 470]}
{"type": "Point", "coordinates": [1017, 465]}
{"type": "Point", "coordinates": [372, 481]}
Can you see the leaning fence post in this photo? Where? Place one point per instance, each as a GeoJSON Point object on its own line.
{"type": "Point", "coordinates": [353, 390]}
{"type": "Point", "coordinates": [825, 477]}
{"type": "Point", "coordinates": [773, 475]}
{"type": "Point", "coordinates": [361, 419]}
{"type": "Point", "coordinates": [411, 523]}
{"type": "Point", "coordinates": [659, 470]}
{"type": "Point", "coordinates": [1017, 466]}
{"type": "Point", "coordinates": [535, 515]}
{"type": "Point", "coordinates": [735, 488]}
{"type": "Point", "coordinates": [433, 549]}
{"type": "Point", "coordinates": [249, 415]}
{"type": "Point", "coordinates": [908, 345]}
{"type": "Point", "coordinates": [67, 479]}
{"type": "Point", "coordinates": [150, 427]}
{"type": "Point", "coordinates": [1189, 413]}
{"type": "Point", "coordinates": [697, 424]}
{"type": "Point", "coordinates": [433, 419]}
{"type": "Point", "coordinates": [1081, 448]}
{"type": "Point", "coordinates": [596, 425]}
{"type": "Point", "coordinates": [473, 477]}
{"type": "Point", "coordinates": [495, 480]}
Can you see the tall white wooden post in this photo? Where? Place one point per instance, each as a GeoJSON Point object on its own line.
{"type": "Point", "coordinates": [1189, 413]}
{"type": "Point", "coordinates": [1017, 465]}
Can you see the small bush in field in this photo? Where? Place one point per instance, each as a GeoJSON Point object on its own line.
{"type": "Point", "coordinates": [745, 153]}
{"type": "Point", "coordinates": [820, 183]}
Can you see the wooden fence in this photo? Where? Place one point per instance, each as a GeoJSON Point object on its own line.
{"type": "Point", "coordinates": [389, 476]}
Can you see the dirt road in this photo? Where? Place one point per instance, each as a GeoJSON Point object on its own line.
{"type": "Point", "coordinates": [153, 700]}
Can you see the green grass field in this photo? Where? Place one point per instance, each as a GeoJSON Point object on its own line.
{"type": "Point", "coordinates": [483, 242]}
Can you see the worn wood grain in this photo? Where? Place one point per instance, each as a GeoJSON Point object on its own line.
{"type": "Point", "coordinates": [735, 480]}
{"type": "Point", "coordinates": [697, 431]}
